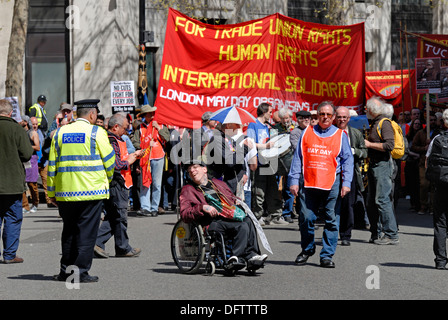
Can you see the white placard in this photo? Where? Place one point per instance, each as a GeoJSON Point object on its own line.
{"type": "Point", "coordinates": [122, 94]}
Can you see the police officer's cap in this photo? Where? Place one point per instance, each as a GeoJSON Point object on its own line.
{"type": "Point", "coordinates": [41, 98]}
{"type": "Point", "coordinates": [87, 103]}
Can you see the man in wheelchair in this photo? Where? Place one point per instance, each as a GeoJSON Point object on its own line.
{"type": "Point", "coordinates": [211, 203]}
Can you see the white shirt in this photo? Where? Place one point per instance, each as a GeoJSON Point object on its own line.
{"type": "Point", "coordinates": [252, 153]}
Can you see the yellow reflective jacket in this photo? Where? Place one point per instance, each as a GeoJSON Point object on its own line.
{"type": "Point", "coordinates": [39, 114]}
{"type": "Point", "coordinates": [81, 163]}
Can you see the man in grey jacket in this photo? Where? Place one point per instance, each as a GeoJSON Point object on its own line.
{"type": "Point", "coordinates": [303, 121]}
{"type": "Point", "coordinates": [15, 148]}
{"type": "Point", "coordinates": [359, 150]}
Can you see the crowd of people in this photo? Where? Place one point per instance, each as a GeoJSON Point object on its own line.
{"type": "Point", "coordinates": [97, 169]}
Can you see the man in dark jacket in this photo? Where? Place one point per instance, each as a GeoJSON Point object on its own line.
{"type": "Point", "coordinates": [436, 169]}
{"type": "Point", "coordinates": [359, 151]}
{"type": "Point", "coordinates": [420, 145]}
{"type": "Point", "coordinates": [15, 148]}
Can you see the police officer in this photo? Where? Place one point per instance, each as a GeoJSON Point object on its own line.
{"type": "Point", "coordinates": [37, 110]}
{"type": "Point", "coordinates": [81, 166]}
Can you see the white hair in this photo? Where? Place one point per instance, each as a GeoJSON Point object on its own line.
{"type": "Point", "coordinates": [283, 112]}
{"type": "Point", "coordinates": [375, 105]}
{"type": "Point", "coordinates": [388, 110]}
{"type": "Point", "coordinates": [445, 117]}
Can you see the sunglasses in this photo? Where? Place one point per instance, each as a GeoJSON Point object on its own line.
{"type": "Point", "coordinates": [323, 114]}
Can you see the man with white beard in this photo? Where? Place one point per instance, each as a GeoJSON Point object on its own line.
{"type": "Point", "coordinates": [383, 225]}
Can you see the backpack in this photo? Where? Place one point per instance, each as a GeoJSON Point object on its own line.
{"type": "Point", "coordinates": [400, 144]}
{"type": "Point", "coordinates": [437, 162]}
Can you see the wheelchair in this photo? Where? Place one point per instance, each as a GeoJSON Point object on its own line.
{"type": "Point", "coordinates": [192, 246]}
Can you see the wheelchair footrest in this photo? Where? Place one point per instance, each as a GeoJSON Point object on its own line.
{"type": "Point", "coordinates": [235, 263]}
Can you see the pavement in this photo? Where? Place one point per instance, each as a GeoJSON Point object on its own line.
{"type": "Point", "coordinates": [363, 271]}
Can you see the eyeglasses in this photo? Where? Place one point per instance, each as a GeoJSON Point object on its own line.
{"type": "Point", "coordinates": [304, 118]}
{"type": "Point", "coordinates": [323, 114]}
{"type": "Point", "coordinates": [342, 117]}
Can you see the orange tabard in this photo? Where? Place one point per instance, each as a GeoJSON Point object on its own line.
{"type": "Point", "coordinates": [319, 158]}
{"type": "Point", "coordinates": [148, 134]}
{"type": "Point", "coordinates": [126, 174]}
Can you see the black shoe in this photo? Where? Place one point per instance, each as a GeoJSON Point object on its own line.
{"type": "Point", "coordinates": [89, 279]}
{"type": "Point", "coordinates": [327, 263]}
{"type": "Point", "coordinates": [302, 258]}
{"type": "Point", "coordinates": [441, 265]}
{"type": "Point", "coordinates": [143, 213]}
{"type": "Point", "coordinates": [154, 213]}
{"type": "Point", "coordinates": [60, 277]}
{"type": "Point", "coordinates": [345, 243]}
{"type": "Point", "coordinates": [288, 219]}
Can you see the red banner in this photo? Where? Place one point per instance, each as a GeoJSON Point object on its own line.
{"type": "Point", "coordinates": [283, 61]}
{"type": "Point", "coordinates": [387, 85]}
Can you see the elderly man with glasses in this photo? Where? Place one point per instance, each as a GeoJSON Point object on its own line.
{"type": "Point", "coordinates": [321, 174]}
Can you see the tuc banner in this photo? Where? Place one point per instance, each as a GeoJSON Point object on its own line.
{"type": "Point", "coordinates": [283, 61]}
{"type": "Point", "coordinates": [434, 47]}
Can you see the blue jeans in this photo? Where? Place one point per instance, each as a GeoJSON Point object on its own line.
{"type": "Point", "coordinates": [11, 217]}
{"type": "Point", "coordinates": [150, 201]}
{"type": "Point", "coordinates": [248, 198]}
{"type": "Point", "coordinates": [168, 185]}
{"type": "Point", "coordinates": [380, 209]}
{"type": "Point", "coordinates": [310, 201]}
{"type": "Point", "coordinates": [289, 200]}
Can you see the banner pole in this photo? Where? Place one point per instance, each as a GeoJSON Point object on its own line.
{"type": "Point", "coordinates": [409, 68]}
{"type": "Point", "coordinates": [427, 117]}
{"type": "Point", "coordinates": [401, 64]}
{"type": "Point", "coordinates": [426, 39]}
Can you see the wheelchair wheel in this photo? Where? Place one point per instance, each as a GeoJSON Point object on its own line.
{"type": "Point", "coordinates": [210, 268]}
{"type": "Point", "coordinates": [188, 246]}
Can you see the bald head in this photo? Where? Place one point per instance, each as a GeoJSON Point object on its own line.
{"type": "Point", "coordinates": [342, 117]}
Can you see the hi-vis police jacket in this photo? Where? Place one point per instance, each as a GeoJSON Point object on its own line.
{"type": "Point", "coordinates": [81, 163]}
